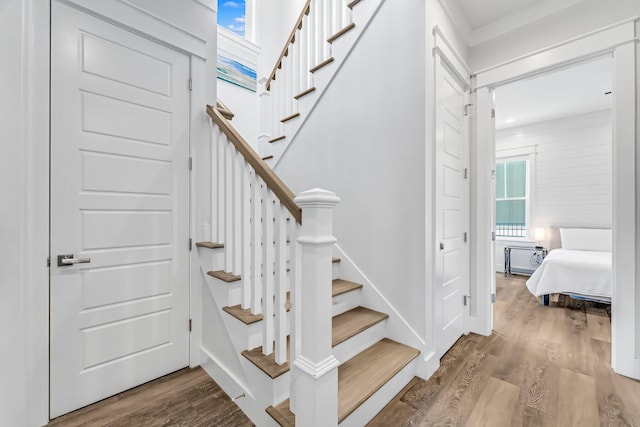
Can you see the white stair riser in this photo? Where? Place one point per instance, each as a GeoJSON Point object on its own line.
{"type": "Point", "coordinates": [273, 390]}
{"type": "Point", "coordinates": [380, 398]}
{"type": "Point", "coordinates": [345, 302]}
{"type": "Point", "coordinates": [360, 342]}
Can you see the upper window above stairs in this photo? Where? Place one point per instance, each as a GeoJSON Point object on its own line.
{"type": "Point", "coordinates": [232, 16]}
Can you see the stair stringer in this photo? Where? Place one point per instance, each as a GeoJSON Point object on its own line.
{"type": "Point", "coordinates": [223, 340]}
{"type": "Point", "coordinates": [363, 14]}
{"type": "Point", "coordinates": [397, 328]}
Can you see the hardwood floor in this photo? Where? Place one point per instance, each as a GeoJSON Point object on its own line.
{"type": "Point", "coordinates": [188, 398]}
{"type": "Point", "coordinates": [542, 366]}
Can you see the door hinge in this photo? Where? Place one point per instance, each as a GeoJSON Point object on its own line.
{"type": "Point", "coordinates": [465, 236]}
{"type": "Point", "coordinates": [493, 236]}
{"type": "Point", "coordinates": [493, 298]}
{"type": "Point", "coordinates": [190, 163]}
{"type": "Point", "coordinates": [493, 113]}
{"type": "Point", "coordinates": [190, 243]}
{"type": "Point", "coordinates": [190, 84]}
{"type": "Point", "coordinates": [442, 246]}
{"type": "Point", "coordinates": [466, 173]}
{"type": "Point", "coordinates": [467, 107]}
{"type": "Point", "coordinates": [48, 261]}
{"type": "Point", "coordinates": [465, 299]}
{"type": "Point", "coordinates": [190, 325]}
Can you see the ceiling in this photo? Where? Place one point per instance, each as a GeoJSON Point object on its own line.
{"type": "Point", "coordinates": [574, 90]}
{"type": "Point", "coordinates": [482, 20]}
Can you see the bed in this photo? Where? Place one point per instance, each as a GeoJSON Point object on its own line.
{"type": "Point", "coordinates": [580, 269]}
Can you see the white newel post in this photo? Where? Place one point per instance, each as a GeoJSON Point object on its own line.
{"type": "Point", "coordinates": [264, 136]}
{"type": "Point", "coordinates": [316, 389]}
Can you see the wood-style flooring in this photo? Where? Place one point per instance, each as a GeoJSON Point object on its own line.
{"type": "Point", "coordinates": [187, 398]}
{"type": "Point", "coordinates": [542, 366]}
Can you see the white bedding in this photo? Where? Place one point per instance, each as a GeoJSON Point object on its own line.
{"type": "Point", "coordinates": [567, 271]}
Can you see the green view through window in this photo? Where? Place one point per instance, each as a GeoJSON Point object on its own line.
{"type": "Point", "coordinates": [511, 198]}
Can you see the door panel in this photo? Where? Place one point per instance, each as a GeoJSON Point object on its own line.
{"type": "Point", "coordinates": [119, 198]}
{"type": "Point", "coordinates": [452, 205]}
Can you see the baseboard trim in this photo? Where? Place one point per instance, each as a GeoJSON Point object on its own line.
{"type": "Point", "coordinates": [235, 389]}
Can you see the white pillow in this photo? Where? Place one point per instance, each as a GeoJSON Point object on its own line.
{"type": "Point", "coordinates": [586, 239]}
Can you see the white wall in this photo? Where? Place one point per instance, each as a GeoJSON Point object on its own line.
{"type": "Point", "coordinates": [366, 141]}
{"type": "Point", "coordinates": [572, 182]}
{"type": "Point", "coordinates": [23, 206]}
{"type": "Point", "coordinates": [24, 176]}
{"type": "Point", "coordinates": [571, 22]}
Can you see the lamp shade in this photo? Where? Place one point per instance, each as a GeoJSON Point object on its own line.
{"type": "Point", "coordinates": [539, 234]}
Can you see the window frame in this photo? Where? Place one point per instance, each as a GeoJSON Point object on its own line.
{"type": "Point", "coordinates": [528, 154]}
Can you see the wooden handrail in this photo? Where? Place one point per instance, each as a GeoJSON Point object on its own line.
{"type": "Point", "coordinates": [292, 38]}
{"type": "Point", "coordinates": [274, 183]}
{"type": "Point", "coordinates": [226, 112]}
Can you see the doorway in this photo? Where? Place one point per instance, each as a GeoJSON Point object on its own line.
{"type": "Point", "coordinates": [119, 277]}
{"type": "Point", "coordinates": [619, 42]}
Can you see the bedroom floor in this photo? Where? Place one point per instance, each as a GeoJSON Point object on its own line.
{"type": "Point", "coordinates": [543, 366]}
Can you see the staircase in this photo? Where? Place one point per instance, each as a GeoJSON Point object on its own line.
{"type": "Point", "coordinates": [271, 270]}
{"type": "Point", "coordinates": [321, 40]}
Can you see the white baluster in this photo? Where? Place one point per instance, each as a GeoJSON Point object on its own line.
{"type": "Point", "coordinates": [296, 60]}
{"type": "Point", "coordinates": [346, 13]}
{"type": "Point", "coordinates": [280, 283]}
{"type": "Point", "coordinates": [318, 380]}
{"type": "Point", "coordinates": [228, 204]}
{"type": "Point", "coordinates": [268, 260]}
{"type": "Point", "coordinates": [220, 174]}
{"type": "Point", "coordinates": [304, 55]}
{"type": "Point", "coordinates": [215, 140]}
{"type": "Point", "coordinates": [328, 27]}
{"type": "Point", "coordinates": [238, 219]}
{"type": "Point", "coordinates": [256, 245]}
{"type": "Point", "coordinates": [319, 31]}
{"type": "Point", "coordinates": [247, 177]}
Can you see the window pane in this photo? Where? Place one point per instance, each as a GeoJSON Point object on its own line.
{"type": "Point", "coordinates": [510, 211]}
{"type": "Point", "coordinates": [500, 194]}
{"type": "Point", "coordinates": [517, 179]}
{"type": "Point", "coordinates": [231, 15]}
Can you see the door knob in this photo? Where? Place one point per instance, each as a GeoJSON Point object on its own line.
{"type": "Point", "coordinates": [67, 260]}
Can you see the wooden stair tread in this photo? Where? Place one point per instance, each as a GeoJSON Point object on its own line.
{"type": "Point", "coordinates": [224, 276]}
{"type": "Point", "coordinates": [346, 326]}
{"type": "Point", "coordinates": [322, 64]}
{"type": "Point", "coordinates": [305, 92]}
{"type": "Point", "coordinates": [277, 139]}
{"type": "Point", "coordinates": [342, 32]}
{"type": "Point", "coordinates": [292, 116]}
{"type": "Point", "coordinates": [335, 260]}
{"type": "Point", "coordinates": [210, 245]}
{"type": "Point", "coordinates": [339, 287]}
{"type": "Point", "coordinates": [352, 322]}
{"type": "Point", "coordinates": [365, 373]}
{"type": "Point", "coordinates": [282, 414]}
{"type": "Point", "coordinates": [245, 316]}
{"type": "Point", "coordinates": [267, 364]}
{"type": "Point", "coordinates": [353, 3]}
{"type": "Point", "coordinates": [358, 378]}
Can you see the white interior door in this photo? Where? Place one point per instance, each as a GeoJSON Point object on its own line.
{"type": "Point", "coordinates": [452, 208]}
{"type": "Point", "coordinates": [119, 210]}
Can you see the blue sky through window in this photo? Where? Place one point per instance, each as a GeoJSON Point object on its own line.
{"type": "Point", "coordinates": [231, 15]}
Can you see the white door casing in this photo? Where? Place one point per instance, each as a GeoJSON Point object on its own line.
{"type": "Point", "coordinates": [119, 197]}
{"type": "Point", "coordinates": [451, 283]}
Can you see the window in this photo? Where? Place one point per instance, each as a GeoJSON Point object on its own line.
{"type": "Point", "coordinates": [511, 198]}
{"type": "Point", "coordinates": [232, 16]}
